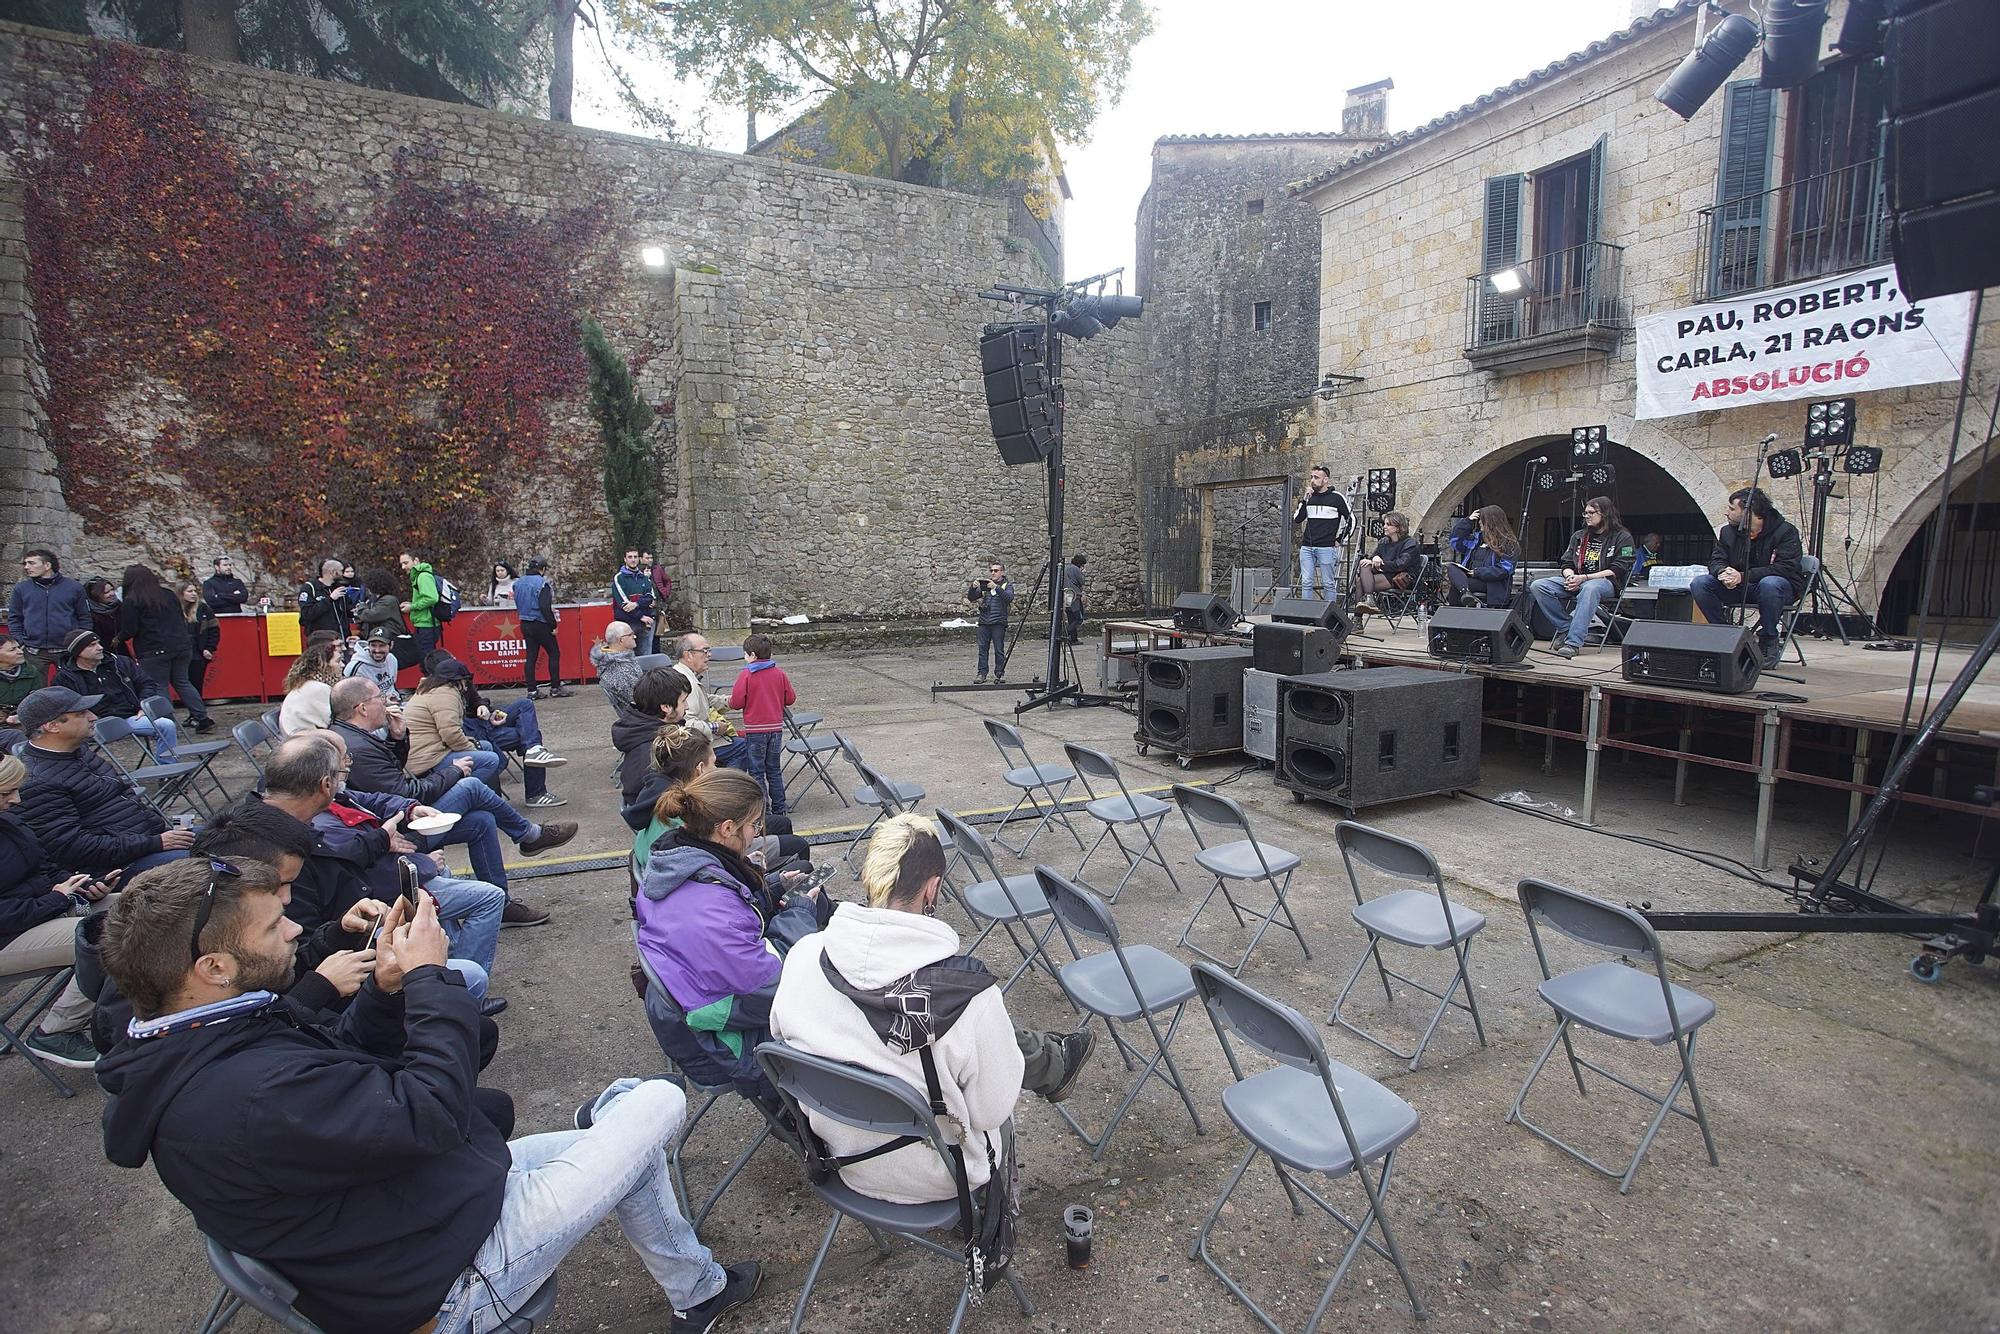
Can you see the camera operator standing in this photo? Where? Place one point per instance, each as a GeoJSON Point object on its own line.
{"type": "Point", "coordinates": [993, 596]}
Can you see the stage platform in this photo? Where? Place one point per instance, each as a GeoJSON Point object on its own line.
{"type": "Point", "coordinates": [1830, 723]}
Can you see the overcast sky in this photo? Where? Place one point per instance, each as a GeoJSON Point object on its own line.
{"type": "Point", "coordinates": [1251, 66]}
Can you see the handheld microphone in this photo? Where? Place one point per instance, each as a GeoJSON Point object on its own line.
{"type": "Point", "coordinates": [1768, 440]}
{"type": "Point", "coordinates": [1544, 458]}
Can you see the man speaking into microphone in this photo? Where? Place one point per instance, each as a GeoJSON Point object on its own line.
{"type": "Point", "coordinates": [1324, 512]}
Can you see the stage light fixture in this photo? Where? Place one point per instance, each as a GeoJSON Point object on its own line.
{"type": "Point", "coordinates": [1787, 463]}
{"type": "Point", "coordinates": [1707, 67]}
{"type": "Point", "coordinates": [1381, 490]}
{"type": "Point", "coordinates": [1507, 281]}
{"type": "Point", "coordinates": [1861, 30]}
{"type": "Point", "coordinates": [1089, 316]}
{"type": "Point", "coordinates": [1377, 529]}
{"type": "Point", "coordinates": [653, 256]}
{"type": "Point", "coordinates": [1862, 460]}
{"type": "Point", "coordinates": [1586, 444]}
{"type": "Point", "coordinates": [1830, 424]}
{"type": "Point", "coordinates": [1600, 476]}
{"type": "Point", "coordinates": [1791, 41]}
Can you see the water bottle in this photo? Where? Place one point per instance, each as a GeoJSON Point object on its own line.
{"type": "Point", "coordinates": [1424, 621]}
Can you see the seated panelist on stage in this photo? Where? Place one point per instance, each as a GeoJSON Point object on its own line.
{"type": "Point", "coordinates": [1393, 566]}
{"type": "Point", "coordinates": [1597, 560]}
{"type": "Point", "coordinates": [1754, 561]}
{"type": "Point", "coordinates": [1483, 555]}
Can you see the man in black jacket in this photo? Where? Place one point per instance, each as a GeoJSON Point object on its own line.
{"type": "Point", "coordinates": [120, 686]}
{"type": "Point", "coordinates": [82, 809]}
{"type": "Point", "coordinates": [1596, 563]}
{"type": "Point", "coordinates": [223, 591]}
{"type": "Point", "coordinates": [1755, 560]}
{"type": "Point", "coordinates": [1327, 519]}
{"type": "Point", "coordinates": [323, 602]}
{"type": "Point", "coordinates": [354, 1157]}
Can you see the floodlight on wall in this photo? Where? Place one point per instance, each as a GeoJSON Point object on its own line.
{"type": "Point", "coordinates": [653, 256]}
{"type": "Point", "coordinates": [1707, 67]}
{"type": "Point", "coordinates": [1507, 281]}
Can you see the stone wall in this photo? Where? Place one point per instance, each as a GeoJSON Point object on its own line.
{"type": "Point", "coordinates": [814, 333]}
{"type": "Point", "coordinates": [1401, 236]}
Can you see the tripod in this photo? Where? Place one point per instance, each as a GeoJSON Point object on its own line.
{"type": "Point", "coordinates": [1829, 595]}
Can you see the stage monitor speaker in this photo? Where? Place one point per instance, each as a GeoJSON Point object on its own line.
{"type": "Point", "coordinates": [1292, 650]}
{"type": "Point", "coordinates": [1721, 659]}
{"type": "Point", "coordinates": [1311, 611]}
{"type": "Point", "coordinates": [1191, 699]}
{"type": "Point", "coordinates": [1358, 738]}
{"type": "Point", "coordinates": [1943, 63]}
{"type": "Point", "coordinates": [1019, 405]}
{"type": "Point", "coordinates": [1204, 613]}
{"type": "Point", "coordinates": [1497, 636]}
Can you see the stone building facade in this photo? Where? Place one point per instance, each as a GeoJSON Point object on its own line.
{"type": "Point", "coordinates": [1458, 398]}
{"type": "Point", "coordinates": [814, 334]}
{"type": "Point", "coordinates": [1228, 264]}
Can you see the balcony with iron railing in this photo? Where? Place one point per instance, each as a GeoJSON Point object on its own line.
{"type": "Point", "coordinates": [1804, 229]}
{"type": "Point", "coordinates": [1556, 309]}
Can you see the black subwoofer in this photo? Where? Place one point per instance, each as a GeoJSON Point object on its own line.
{"type": "Point", "coordinates": [1357, 738]}
{"type": "Point", "coordinates": [1191, 699]}
{"type": "Point", "coordinates": [1498, 636]}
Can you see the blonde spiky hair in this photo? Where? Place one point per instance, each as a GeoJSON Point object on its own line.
{"type": "Point", "coordinates": [904, 853]}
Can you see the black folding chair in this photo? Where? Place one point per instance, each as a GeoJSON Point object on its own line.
{"type": "Point", "coordinates": [252, 1283]}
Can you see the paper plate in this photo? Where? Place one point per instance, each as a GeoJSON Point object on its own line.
{"type": "Point", "coordinates": [435, 824]}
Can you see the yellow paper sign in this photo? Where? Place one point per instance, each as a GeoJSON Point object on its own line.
{"type": "Point", "coordinates": [281, 634]}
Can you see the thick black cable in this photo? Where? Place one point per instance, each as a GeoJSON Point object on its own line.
{"type": "Point", "coordinates": [1716, 861]}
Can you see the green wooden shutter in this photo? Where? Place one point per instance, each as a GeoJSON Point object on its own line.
{"type": "Point", "coordinates": [1500, 314]}
{"type": "Point", "coordinates": [1736, 232]}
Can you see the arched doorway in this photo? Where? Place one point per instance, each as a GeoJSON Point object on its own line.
{"type": "Point", "coordinates": [1650, 500]}
{"type": "Point", "coordinates": [1966, 593]}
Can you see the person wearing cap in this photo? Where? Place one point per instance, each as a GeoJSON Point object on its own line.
{"type": "Point", "coordinates": [375, 662]}
{"type": "Point", "coordinates": [448, 721]}
{"type": "Point", "coordinates": [86, 813]}
{"type": "Point", "coordinates": [534, 599]}
{"type": "Point", "coordinates": [120, 684]}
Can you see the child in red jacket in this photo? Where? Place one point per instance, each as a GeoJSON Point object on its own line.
{"type": "Point", "coordinates": [762, 691]}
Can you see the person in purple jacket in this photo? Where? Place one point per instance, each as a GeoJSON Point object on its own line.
{"type": "Point", "coordinates": [713, 934]}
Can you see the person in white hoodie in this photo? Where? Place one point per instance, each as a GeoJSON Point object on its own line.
{"type": "Point", "coordinates": [846, 993]}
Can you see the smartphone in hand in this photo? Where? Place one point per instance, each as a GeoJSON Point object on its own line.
{"type": "Point", "coordinates": [406, 874]}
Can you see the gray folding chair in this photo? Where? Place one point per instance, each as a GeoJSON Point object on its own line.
{"type": "Point", "coordinates": [1118, 810]}
{"type": "Point", "coordinates": [1421, 919]}
{"type": "Point", "coordinates": [707, 1095]}
{"type": "Point", "coordinates": [884, 794]}
{"type": "Point", "coordinates": [1308, 1114]}
{"type": "Point", "coordinates": [648, 661]}
{"type": "Point", "coordinates": [1788, 620]}
{"type": "Point", "coordinates": [252, 1283]}
{"type": "Point", "coordinates": [884, 1106]}
{"type": "Point", "coordinates": [158, 785]}
{"type": "Point", "coordinates": [1000, 900]}
{"type": "Point", "coordinates": [203, 753]}
{"type": "Point", "coordinates": [1617, 1000]}
{"type": "Point", "coordinates": [252, 738]}
{"type": "Point", "coordinates": [809, 749]}
{"type": "Point", "coordinates": [270, 720]}
{"type": "Point", "coordinates": [1121, 984]}
{"type": "Point", "coordinates": [20, 1020]}
{"type": "Point", "coordinates": [1243, 858]}
{"type": "Point", "coordinates": [1029, 779]}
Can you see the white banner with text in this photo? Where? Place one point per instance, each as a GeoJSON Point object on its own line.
{"type": "Point", "coordinates": [1824, 339]}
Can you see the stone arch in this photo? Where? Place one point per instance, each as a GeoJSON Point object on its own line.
{"type": "Point", "coordinates": [1919, 478]}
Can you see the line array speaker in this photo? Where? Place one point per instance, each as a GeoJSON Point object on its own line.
{"type": "Point", "coordinates": [1191, 699]}
{"type": "Point", "coordinates": [1204, 613]}
{"type": "Point", "coordinates": [1357, 738]}
{"type": "Point", "coordinates": [1721, 659]}
{"type": "Point", "coordinates": [1942, 99]}
{"type": "Point", "coordinates": [1497, 636]}
{"type": "Point", "coordinates": [1311, 611]}
{"type": "Point", "coordinates": [1020, 393]}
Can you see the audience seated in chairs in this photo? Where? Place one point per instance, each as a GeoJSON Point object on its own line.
{"type": "Point", "coordinates": [714, 931]}
{"type": "Point", "coordinates": [679, 753]}
{"type": "Point", "coordinates": [1483, 556]}
{"type": "Point", "coordinates": [309, 685]}
{"type": "Point", "coordinates": [378, 750]}
{"type": "Point", "coordinates": [359, 1158]}
{"type": "Point", "coordinates": [118, 684]}
{"type": "Point", "coordinates": [86, 814]}
{"type": "Point", "coordinates": [617, 662]}
{"type": "Point", "coordinates": [38, 908]}
{"type": "Point", "coordinates": [882, 985]}
{"type": "Point", "coordinates": [659, 701]}
{"type": "Point", "coordinates": [448, 721]}
{"type": "Point", "coordinates": [356, 852]}
{"type": "Point", "coordinates": [375, 661]}
{"type": "Point", "coordinates": [17, 681]}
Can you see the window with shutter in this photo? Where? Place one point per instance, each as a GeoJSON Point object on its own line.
{"type": "Point", "coordinates": [1500, 313]}
{"type": "Point", "coordinates": [1736, 239]}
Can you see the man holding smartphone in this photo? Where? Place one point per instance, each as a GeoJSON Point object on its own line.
{"type": "Point", "coordinates": [993, 596]}
{"type": "Point", "coordinates": [360, 1159]}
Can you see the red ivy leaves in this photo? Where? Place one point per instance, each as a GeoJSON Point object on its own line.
{"type": "Point", "coordinates": [363, 395]}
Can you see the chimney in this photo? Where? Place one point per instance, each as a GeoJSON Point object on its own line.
{"type": "Point", "coordinates": [1366, 114]}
